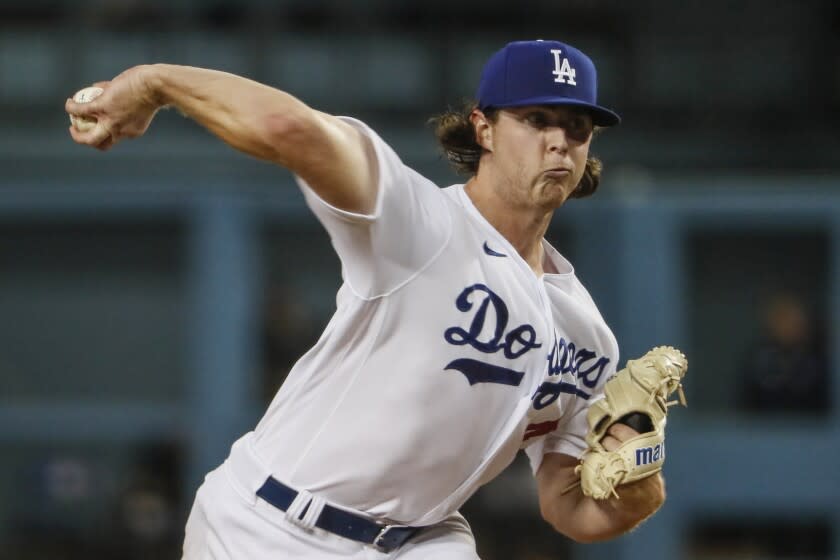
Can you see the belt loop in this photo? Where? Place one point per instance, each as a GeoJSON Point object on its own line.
{"type": "Point", "coordinates": [297, 508]}
{"type": "Point", "coordinates": [316, 506]}
{"type": "Point", "coordinates": [305, 509]}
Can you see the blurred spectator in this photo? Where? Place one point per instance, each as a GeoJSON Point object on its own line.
{"type": "Point", "coordinates": [146, 525]}
{"type": "Point", "coordinates": [146, 522]}
{"type": "Point", "coordinates": [60, 493]}
{"type": "Point", "coordinates": [787, 368]}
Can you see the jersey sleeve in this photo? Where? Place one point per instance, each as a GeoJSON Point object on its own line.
{"type": "Point", "coordinates": [569, 438]}
{"type": "Point", "coordinates": [407, 229]}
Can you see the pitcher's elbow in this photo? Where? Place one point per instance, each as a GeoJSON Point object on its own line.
{"type": "Point", "coordinates": [567, 527]}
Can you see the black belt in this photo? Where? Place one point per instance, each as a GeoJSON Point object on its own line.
{"type": "Point", "coordinates": [339, 522]}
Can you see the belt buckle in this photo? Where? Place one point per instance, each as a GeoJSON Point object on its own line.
{"type": "Point", "coordinates": [378, 541]}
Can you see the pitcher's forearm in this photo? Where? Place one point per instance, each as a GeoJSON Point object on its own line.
{"type": "Point", "coordinates": [606, 519]}
{"type": "Point", "coordinates": [253, 118]}
{"type": "Point", "coordinates": [585, 519]}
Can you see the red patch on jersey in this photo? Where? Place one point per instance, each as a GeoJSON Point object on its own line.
{"type": "Point", "coordinates": [534, 430]}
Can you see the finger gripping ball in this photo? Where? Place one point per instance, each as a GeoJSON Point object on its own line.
{"type": "Point", "coordinates": [86, 95]}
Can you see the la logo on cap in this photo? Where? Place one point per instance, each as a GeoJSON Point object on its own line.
{"type": "Point", "coordinates": [563, 71]}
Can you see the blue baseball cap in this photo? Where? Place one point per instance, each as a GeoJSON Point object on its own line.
{"type": "Point", "coordinates": [542, 73]}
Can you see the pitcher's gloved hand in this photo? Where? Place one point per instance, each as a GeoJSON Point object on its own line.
{"type": "Point", "coordinates": [638, 396]}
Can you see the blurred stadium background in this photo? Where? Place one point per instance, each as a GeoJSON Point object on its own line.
{"type": "Point", "coordinates": [152, 299]}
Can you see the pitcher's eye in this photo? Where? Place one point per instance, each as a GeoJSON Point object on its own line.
{"type": "Point", "coordinates": [536, 119]}
{"type": "Point", "coordinates": [580, 126]}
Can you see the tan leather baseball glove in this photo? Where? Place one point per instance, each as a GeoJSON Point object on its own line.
{"type": "Point", "coordinates": [642, 387]}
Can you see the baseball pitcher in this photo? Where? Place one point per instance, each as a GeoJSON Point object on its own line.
{"type": "Point", "coordinates": [460, 336]}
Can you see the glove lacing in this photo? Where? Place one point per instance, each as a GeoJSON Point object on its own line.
{"type": "Point", "coordinates": [664, 390]}
{"type": "Point", "coordinates": [619, 471]}
{"type": "Point", "coordinates": [669, 383]}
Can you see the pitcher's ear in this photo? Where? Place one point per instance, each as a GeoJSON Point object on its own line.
{"type": "Point", "coordinates": [483, 129]}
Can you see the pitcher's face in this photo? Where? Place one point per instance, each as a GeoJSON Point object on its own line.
{"type": "Point", "coordinates": [539, 151]}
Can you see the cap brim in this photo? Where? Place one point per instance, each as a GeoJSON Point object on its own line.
{"type": "Point", "coordinates": [601, 116]}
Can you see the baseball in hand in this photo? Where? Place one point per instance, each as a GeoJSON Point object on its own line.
{"type": "Point", "coordinates": [86, 95]}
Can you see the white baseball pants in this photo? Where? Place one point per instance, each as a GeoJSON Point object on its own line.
{"type": "Point", "coordinates": [229, 522]}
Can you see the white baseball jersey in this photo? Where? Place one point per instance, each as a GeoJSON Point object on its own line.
{"type": "Point", "coordinates": [446, 355]}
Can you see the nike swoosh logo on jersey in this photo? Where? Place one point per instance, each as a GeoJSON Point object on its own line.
{"type": "Point", "coordinates": [491, 252]}
{"type": "Point", "coordinates": [481, 372]}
